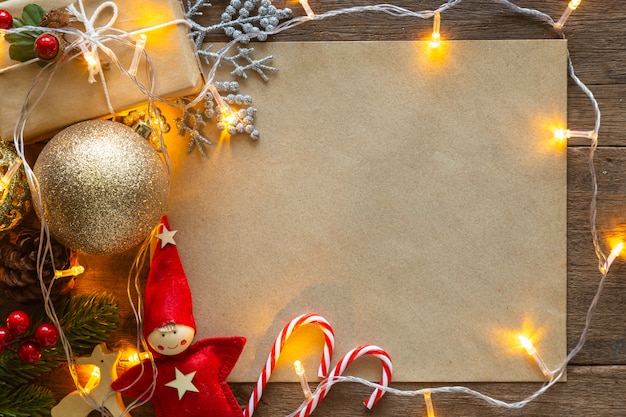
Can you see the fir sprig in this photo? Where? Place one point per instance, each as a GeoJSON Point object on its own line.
{"type": "Point", "coordinates": [88, 319]}
{"type": "Point", "coordinates": [25, 401]}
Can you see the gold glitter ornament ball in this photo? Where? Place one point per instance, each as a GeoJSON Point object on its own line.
{"type": "Point", "coordinates": [103, 187]}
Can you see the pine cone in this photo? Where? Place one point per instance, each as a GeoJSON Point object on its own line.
{"type": "Point", "coordinates": [18, 259]}
{"type": "Point", "coordinates": [56, 18]}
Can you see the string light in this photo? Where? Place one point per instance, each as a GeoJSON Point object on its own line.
{"type": "Point", "coordinates": [430, 410]}
{"type": "Point", "coordinates": [6, 178]}
{"type": "Point", "coordinates": [532, 352]}
{"type": "Point", "coordinates": [309, 12]}
{"type": "Point", "coordinates": [227, 116]}
{"type": "Point", "coordinates": [306, 390]}
{"type": "Point", "coordinates": [70, 272]}
{"type": "Point", "coordinates": [436, 36]}
{"type": "Point", "coordinates": [573, 4]}
{"type": "Point", "coordinates": [135, 358]}
{"type": "Point", "coordinates": [140, 45]}
{"type": "Point", "coordinates": [93, 63]}
{"type": "Point", "coordinates": [563, 134]}
{"type": "Point", "coordinates": [94, 66]}
{"type": "Point", "coordinates": [91, 60]}
{"type": "Point", "coordinates": [94, 380]}
{"type": "Point", "coordinates": [615, 252]}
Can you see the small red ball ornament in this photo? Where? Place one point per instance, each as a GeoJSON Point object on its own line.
{"type": "Point", "coordinates": [6, 20]}
{"type": "Point", "coordinates": [46, 335]}
{"type": "Point", "coordinates": [18, 322]}
{"type": "Point", "coordinates": [47, 47]}
{"type": "Point", "coordinates": [29, 352]}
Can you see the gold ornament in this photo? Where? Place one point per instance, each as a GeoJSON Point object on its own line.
{"type": "Point", "coordinates": [103, 187]}
{"type": "Point", "coordinates": [14, 191]}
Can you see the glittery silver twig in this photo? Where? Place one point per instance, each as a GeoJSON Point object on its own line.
{"type": "Point", "coordinates": [245, 55]}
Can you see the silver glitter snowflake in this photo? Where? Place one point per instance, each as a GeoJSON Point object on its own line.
{"type": "Point", "coordinates": [237, 118]}
{"type": "Point", "coordinates": [242, 20]}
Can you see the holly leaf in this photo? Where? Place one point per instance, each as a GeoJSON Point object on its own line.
{"type": "Point", "coordinates": [32, 14]}
{"type": "Point", "coordinates": [17, 22]}
{"type": "Point", "coordinates": [22, 46]}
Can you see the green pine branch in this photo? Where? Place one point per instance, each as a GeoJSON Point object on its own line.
{"type": "Point", "coordinates": [25, 401]}
{"type": "Point", "coordinates": [86, 320]}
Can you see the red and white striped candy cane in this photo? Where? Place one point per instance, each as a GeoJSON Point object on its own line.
{"type": "Point", "coordinates": [329, 345]}
{"type": "Point", "coordinates": [341, 366]}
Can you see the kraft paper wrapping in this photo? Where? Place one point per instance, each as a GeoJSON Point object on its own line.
{"type": "Point", "coordinates": [415, 199]}
{"type": "Point", "coordinates": [70, 98]}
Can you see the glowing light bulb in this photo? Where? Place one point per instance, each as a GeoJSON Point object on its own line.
{"type": "Point", "coordinates": [93, 63]}
{"type": "Point", "coordinates": [6, 178]}
{"type": "Point", "coordinates": [94, 380]}
{"type": "Point", "coordinates": [573, 5]}
{"type": "Point", "coordinates": [615, 252]}
{"type": "Point", "coordinates": [135, 358]}
{"type": "Point", "coordinates": [436, 36]}
{"type": "Point", "coordinates": [229, 118]}
{"type": "Point", "coordinates": [562, 134]}
{"type": "Point", "coordinates": [140, 45]}
{"type": "Point", "coordinates": [306, 390]}
{"type": "Point", "coordinates": [90, 58]}
{"type": "Point", "coordinates": [70, 272]}
{"type": "Point", "coordinates": [527, 344]}
{"type": "Point", "coordinates": [430, 410]}
{"type": "Point", "coordinates": [309, 12]}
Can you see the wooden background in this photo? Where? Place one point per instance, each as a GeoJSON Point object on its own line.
{"type": "Point", "coordinates": [596, 383]}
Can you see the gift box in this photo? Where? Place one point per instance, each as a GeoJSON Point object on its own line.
{"type": "Point", "coordinates": [70, 97]}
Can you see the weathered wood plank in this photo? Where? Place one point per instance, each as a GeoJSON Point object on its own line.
{"type": "Point", "coordinates": [590, 391]}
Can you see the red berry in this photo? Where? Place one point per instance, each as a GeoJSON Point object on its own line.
{"type": "Point", "coordinates": [47, 47]}
{"type": "Point", "coordinates": [18, 322]}
{"type": "Point", "coordinates": [46, 335]}
{"type": "Point", "coordinates": [29, 352]}
{"type": "Point", "coordinates": [6, 20]}
{"type": "Point", "coordinates": [5, 337]}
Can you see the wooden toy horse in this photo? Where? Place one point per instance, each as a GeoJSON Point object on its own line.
{"type": "Point", "coordinates": [75, 406]}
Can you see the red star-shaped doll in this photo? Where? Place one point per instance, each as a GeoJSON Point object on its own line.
{"type": "Point", "coordinates": [192, 383]}
{"type": "Point", "coordinates": [191, 378]}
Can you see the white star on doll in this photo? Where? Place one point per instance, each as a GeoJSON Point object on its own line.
{"type": "Point", "coordinates": [183, 383]}
{"type": "Point", "coordinates": [166, 236]}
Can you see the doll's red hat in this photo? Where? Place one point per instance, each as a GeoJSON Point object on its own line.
{"type": "Point", "coordinates": [167, 295]}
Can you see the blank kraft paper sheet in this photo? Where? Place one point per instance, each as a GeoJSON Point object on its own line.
{"type": "Point", "coordinates": [415, 199]}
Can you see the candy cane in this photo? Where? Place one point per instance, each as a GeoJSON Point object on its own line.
{"type": "Point", "coordinates": [341, 367]}
{"type": "Point", "coordinates": [329, 345]}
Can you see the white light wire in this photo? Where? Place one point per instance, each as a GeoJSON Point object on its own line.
{"type": "Point", "coordinates": [531, 13]}
{"type": "Point", "coordinates": [43, 79]}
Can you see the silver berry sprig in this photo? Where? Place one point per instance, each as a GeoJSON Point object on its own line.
{"type": "Point", "coordinates": [238, 21]}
